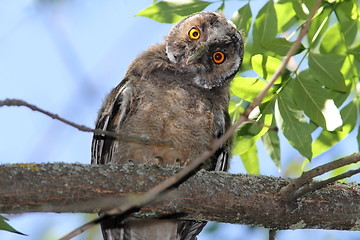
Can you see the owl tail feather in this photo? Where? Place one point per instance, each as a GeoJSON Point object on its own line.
{"type": "Point", "coordinates": [153, 229]}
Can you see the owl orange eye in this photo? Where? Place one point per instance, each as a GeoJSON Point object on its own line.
{"type": "Point", "coordinates": [194, 33]}
{"type": "Point", "coordinates": [218, 57]}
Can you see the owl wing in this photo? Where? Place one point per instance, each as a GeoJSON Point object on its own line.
{"type": "Point", "coordinates": [223, 154]}
{"type": "Point", "coordinates": [188, 230]}
{"type": "Point", "coordinates": [113, 113]}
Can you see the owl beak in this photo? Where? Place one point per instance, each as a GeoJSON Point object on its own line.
{"type": "Point", "coordinates": [198, 53]}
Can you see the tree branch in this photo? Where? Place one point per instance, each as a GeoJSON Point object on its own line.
{"type": "Point", "coordinates": [302, 185]}
{"type": "Point", "coordinates": [215, 196]}
{"type": "Point", "coordinates": [313, 186]}
{"type": "Point", "coordinates": [118, 136]}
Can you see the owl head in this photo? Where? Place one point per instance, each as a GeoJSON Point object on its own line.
{"type": "Point", "coordinates": [208, 46]}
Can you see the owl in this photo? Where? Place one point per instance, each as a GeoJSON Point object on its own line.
{"type": "Point", "coordinates": [176, 91]}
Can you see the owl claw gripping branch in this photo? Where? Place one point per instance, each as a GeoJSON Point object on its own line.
{"type": "Point", "coordinates": [176, 91]}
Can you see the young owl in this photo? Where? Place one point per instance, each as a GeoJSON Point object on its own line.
{"type": "Point", "coordinates": [176, 91]}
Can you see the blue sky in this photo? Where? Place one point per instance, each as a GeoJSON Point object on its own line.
{"type": "Point", "coordinates": [65, 57]}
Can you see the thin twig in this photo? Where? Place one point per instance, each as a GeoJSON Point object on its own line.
{"type": "Point", "coordinates": [116, 135]}
{"type": "Point", "coordinates": [317, 185]}
{"type": "Point", "coordinates": [271, 128]}
{"type": "Point", "coordinates": [152, 194]}
{"type": "Point", "coordinates": [288, 193]}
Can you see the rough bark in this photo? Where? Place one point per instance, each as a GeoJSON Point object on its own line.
{"type": "Point", "coordinates": [223, 197]}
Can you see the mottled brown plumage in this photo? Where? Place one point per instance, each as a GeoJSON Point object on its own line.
{"type": "Point", "coordinates": [176, 91]}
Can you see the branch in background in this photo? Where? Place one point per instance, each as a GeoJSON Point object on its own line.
{"type": "Point", "coordinates": [248, 199]}
{"type": "Point", "coordinates": [118, 136]}
{"type": "Point", "coordinates": [303, 185]}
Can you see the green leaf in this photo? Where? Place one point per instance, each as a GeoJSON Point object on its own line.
{"type": "Point", "coordinates": [235, 108]}
{"type": "Point", "coordinates": [346, 15]}
{"type": "Point", "coordinates": [355, 50]}
{"type": "Point", "coordinates": [242, 19]}
{"type": "Point", "coordinates": [248, 88]}
{"type": "Point", "coordinates": [281, 46]}
{"type": "Point", "coordinates": [292, 122]}
{"type": "Point", "coordinates": [358, 138]}
{"type": "Point", "coordinates": [248, 129]}
{"type": "Point", "coordinates": [221, 8]}
{"type": "Point", "coordinates": [246, 64]}
{"type": "Point", "coordinates": [315, 102]}
{"type": "Point", "coordinates": [356, 65]}
{"type": "Point", "coordinates": [262, 117]}
{"type": "Point", "coordinates": [332, 42]}
{"type": "Point", "coordinates": [326, 69]}
{"type": "Point", "coordinates": [299, 10]}
{"type": "Point", "coordinates": [232, 105]}
{"type": "Point", "coordinates": [309, 5]}
{"type": "Point", "coordinates": [272, 146]}
{"type": "Point", "coordinates": [248, 133]}
{"type": "Point", "coordinates": [265, 27]}
{"type": "Point", "coordinates": [266, 116]}
{"type": "Point", "coordinates": [350, 71]}
{"type": "Point", "coordinates": [318, 26]}
{"type": "Point", "coordinates": [286, 15]}
{"type": "Point", "coordinates": [242, 145]}
{"type": "Point", "coordinates": [251, 161]}
{"type": "Point", "coordinates": [265, 66]}
{"type": "Point", "coordinates": [328, 139]}
{"type": "Point", "coordinates": [6, 227]}
{"type": "Point", "coordinates": [338, 97]}
{"type": "Point", "coordinates": [168, 11]}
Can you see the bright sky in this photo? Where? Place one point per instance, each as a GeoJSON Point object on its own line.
{"type": "Point", "coordinates": [64, 58]}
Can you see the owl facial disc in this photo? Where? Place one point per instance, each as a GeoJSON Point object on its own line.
{"type": "Point", "coordinates": [208, 47]}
